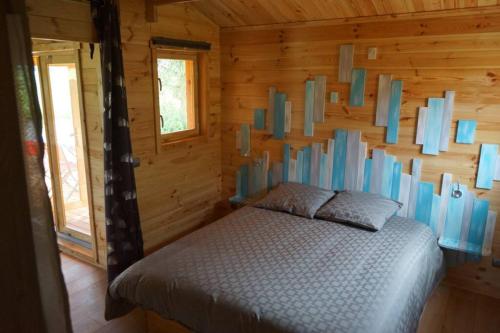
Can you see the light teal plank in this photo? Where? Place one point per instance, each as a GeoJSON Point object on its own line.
{"type": "Point", "coordinates": [357, 96]}
{"type": "Point", "coordinates": [396, 180]}
{"type": "Point", "coordinates": [433, 125]}
{"type": "Point", "coordinates": [245, 140]}
{"type": "Point", "coordinates": [339, 157]}
{"type": "Point", "coordinates": [300, 166]}
{"type": "Point", "coordinates": [387, 174]}
{"type": "Point", "coordinates": [394, 111]}
{"type": "Point", "coordinates": [259, 119]}
{"type": "Point", "coordinates": [323, 169]}
{"type": "Point", "coordinates": [477, 226]}
{"type": "Point", "coordinates": [334, 97]}
{"type": "Point", "coordinates": [279, 116]}
{"type": "Point", "coordinates": [306, 166]}
{"type": "Point", "coordinates": [368, 175]}
{"type": "Point", "coordinates": [487, 166]}
{"type": "Point", "coordinates": [450, 237]}
{"type": "Point", "coordinates": [436, 205]}
{"type": "Point", "coordinates": [424, 202]}
{"type": "Point", "coordinates": [309, 109]}
{"type": "Point", "coordinates": [286, 161]}
{"type": "Point", "coordinates": [466, 131]}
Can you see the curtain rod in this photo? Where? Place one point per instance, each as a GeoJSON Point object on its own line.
{"type": "Point", "coordinates": [189, 44]}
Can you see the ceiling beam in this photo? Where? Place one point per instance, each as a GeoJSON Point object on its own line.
{"type": "Point", "coordinates": [151, 10]}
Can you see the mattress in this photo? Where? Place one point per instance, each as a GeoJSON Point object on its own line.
{"type": "Point", "coordinates": [257, 270]}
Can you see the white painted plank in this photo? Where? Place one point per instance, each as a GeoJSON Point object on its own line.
{"type": "Point", "coordinates": [292, 170]}
{"type": "Point", "coordinates": [497, 170]}
{"type": "Point", "coordinates": [270, 110]}
{"type": "Point", "coordinates": [488, 232]}
{"type": "Point", "coordinates": [329, 152]}
{"type": "Point", "coordinates": [383, 99]}
{"type": "Point", "coordinates": [404, 194]}
{"type": "Point", "coordinates": [416, 173]}
{"type": "Point", "coordinates": [378, 157]}
{"type": "Point", "coordinates": [445, 197]}
{"type": "Point", "coordinates": [346, 55]}
{"type": "Point", "coordinates": [315, 163]}
{"type": "Point", "coordinates": [466, 218]}
{"type": "Point", "coordinates": [352, 159]}
{"type": "Point", "coordinates": [449, 101]}
{"type": "Point", "coordinates": [288, 116]}
{"type": "Point", "coordinates": [363, 147]}
{"type": "Point", "coordinates": [319, 98]}
{"type": "Point", "coordinates": [422, 118]}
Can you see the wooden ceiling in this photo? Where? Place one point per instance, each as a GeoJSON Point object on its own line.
{"type": "Point", "coordinates": [233, 13]}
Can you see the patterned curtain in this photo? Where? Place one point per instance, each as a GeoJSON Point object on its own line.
{"type": "Point", "coordinates": [123, 229]}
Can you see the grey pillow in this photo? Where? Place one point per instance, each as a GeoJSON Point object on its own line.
{"type": "Point", "coordinates": [366, 210]}
{"type": "Point", "coordinates": [297, 199]}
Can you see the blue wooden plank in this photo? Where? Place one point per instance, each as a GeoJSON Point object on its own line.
{"type": "Point", "coordinates": [339, 157]}
{"type": "Point", "coordinates": [396, 180]}
{"type": "Point", "coordinates": [238, 184]}
{"type": "Point", "coordinates": [245, 140]}
{"type": "Point", "coordinates": [309, 109]}
{"type": "Point", "coordinates": [394, 111]}
{"type": "Point", "coordinates": [357, 96]}
{"type": "Point", "coordinates": [323, 169]}
{"type": "Point", "coordinates": [368, 175]}
{"type": "Point", "coordinates": [433, 124]}
{"type": "Point", "coordinates": [477, 226]}
{"type": "Point", "coordinates": [436, 204]}
{"type": "Point", "coordinates": [387, 174]}
{"type": "Point", "coordinates": [286, 161]}
{"type": "Point", "coordinates": [259, 119]}
{"type": "Point", "coordinates": [466, 131]}
{"type": "Point", "coordinates": [269, 180]}
{"type": "Point", "coordinates": [306, 166]}
{"type": "Point", "coordinates": [450, 237]}
{"type": "Point", "coordinates": [300, 166]}
{"type": "Point", "coordinates": [334, 97]}
{"type": "Point", "coordinates": [279, 116]}
{"type": "Point", "coordinates": [424, 202]}
{"type": "Point", "coordinates": [244, 171]}
{"type": "Point", "coordinates": [487, 166]}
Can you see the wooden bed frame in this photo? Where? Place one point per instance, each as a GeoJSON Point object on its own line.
{"type": "Point", "coordinates": [156, 324]}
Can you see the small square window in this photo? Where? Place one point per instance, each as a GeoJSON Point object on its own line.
{"type": "Point", "coordinates": [176, 94]}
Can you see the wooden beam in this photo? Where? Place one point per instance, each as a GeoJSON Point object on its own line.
{"type": "Point", "coordinates": [151, 13]}
{"type": "Point", "coordinates": [171, 2]}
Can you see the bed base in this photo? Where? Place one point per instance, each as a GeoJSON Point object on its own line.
{"type": "Point", "coordinates": [157, 324]}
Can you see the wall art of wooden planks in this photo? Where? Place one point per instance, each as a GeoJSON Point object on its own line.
{"type": "Point", "coordinates": [430, 56]}
{"type": "Point", "coordinates": [465, 224]}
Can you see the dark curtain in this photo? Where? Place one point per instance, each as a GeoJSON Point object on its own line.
{"type": "Point", "coordinates": [123, 230]}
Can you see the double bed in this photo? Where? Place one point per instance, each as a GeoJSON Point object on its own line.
{"type": "Point", "coordinates": [258, 270]}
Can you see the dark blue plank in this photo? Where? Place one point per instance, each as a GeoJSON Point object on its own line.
{"type": "Point", "coordinates": [300, 166]}
{"type": "Point", "coordinates": [339, 157]}
{"type": "Point", "coordinates": [306, 166]}
{"type": "Point", "coordinates": [357, 96]}
{"type": "Point", "coordinates": [368, 175]}
{"type": "Point", "coordinates": [394, 111]}
{"type": "Point", "coordinates": [279, 116]}
{"type": "Point", "coordinates": [244, 171]}
{"type": "Point", "coordinates": [423, 209]}
{"type": "Point", "coordinates": [286, 161]}
{"type": "Point", "coordinates": [309, 109]}
{"type": "Point", "coordinates": [259, 119]}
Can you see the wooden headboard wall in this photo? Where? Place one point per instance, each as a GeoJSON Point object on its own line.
{"type": "Point", "coordinates": [430, 55]}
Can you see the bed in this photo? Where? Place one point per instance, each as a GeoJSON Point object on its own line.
{"type": "Point", "coordinates": [258, 270]}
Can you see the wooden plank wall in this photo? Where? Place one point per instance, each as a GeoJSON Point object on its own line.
{"type": "Point", "coordinates": [430, 55]}
{"type": "Point", "coordinates": [179, 187]}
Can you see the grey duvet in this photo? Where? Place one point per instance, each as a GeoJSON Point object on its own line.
{"type": "Point", "coordinates": [258, 270]}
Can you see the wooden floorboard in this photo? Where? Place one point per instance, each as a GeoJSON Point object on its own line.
{"type": "Point", "coordinates": [449, 310]}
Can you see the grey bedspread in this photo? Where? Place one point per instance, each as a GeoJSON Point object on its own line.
{"type": "Point", "coordinates": [263, 271]}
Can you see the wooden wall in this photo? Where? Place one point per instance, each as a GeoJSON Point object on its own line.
{"type": "Point", "coordinates": [179, 187]}
{"type": "Point", "coordinates": [430, 55]}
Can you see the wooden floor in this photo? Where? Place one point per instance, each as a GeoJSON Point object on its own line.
{"type": "Point", "coordinates": [450, 310]}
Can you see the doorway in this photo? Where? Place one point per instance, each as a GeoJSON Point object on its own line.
{"type": "Point", "coordinates": [66, 161]}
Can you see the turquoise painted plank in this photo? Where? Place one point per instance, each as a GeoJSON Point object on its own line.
{"type": "Point", "coordinates": [244, 172]}
{"type": "Point", "coordinates": [450, 237]}
{"type": "Point", "coordinates": [394, 111]}
{"type": "Point", "coordinates": [306, 166]}
{"type": "Point", "coordinates": [334, 97]}
{"type": "Point", "coordinates": [357, 97]}
{"type": "Point", "coordinates": [238, 184]}
{"type": "Point", "coordinates": [477, 226]}
{"type": "Point", "coordinates": [368, 175]}
{"type": "Point", "coordinates": [323, 170]}
{"type": "Point", "coordinates": [436, 204]}
{"type": "Point", "coordinates": [424, 202]}
{"type": "Point", "coordinates": [433, 125]}
{"type": "Point", "coordinates": [339, 157]}
{"type": "Point", "coordinates": [387, 174]}
{"type": "Point", "coordinates": [279, 116]}
{"type": "Point", "coordinates": [466, 131]}
{"type": "Point", "coordinates": [287, 149]}
{"type": "Point", "coordinates": [269, 180]}
{"type": "Point", "coordinates": [259, 119]}
{"type": "Point", "coordinates": [245, 140]}
{"type": "Point", "coordinates": [300, 166]}
{"type": "Point", "coordinates": [396, 180]}
{"type": "Point", "coordinates": [487, 166]}
{"type": "Point", "coordinates": [309, 109]}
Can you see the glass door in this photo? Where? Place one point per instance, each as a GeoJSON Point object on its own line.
{"type": "Point", "coordinates": [60, 89]}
